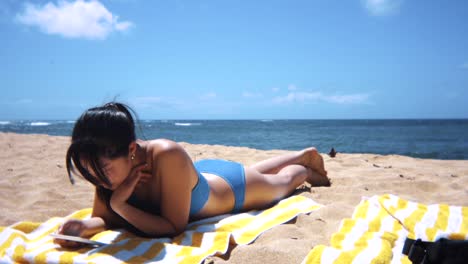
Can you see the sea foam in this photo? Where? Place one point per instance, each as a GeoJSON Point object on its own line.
{"type": "Point", "coordinates": [40, 124]}
{"type": "Point", "coordinates": [187, 124]}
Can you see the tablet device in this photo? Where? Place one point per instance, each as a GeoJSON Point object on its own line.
{"type": "Point", "coordinates": [79, 239]}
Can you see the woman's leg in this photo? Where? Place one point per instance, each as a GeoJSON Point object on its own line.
{"type": "Point", "coordinates": [309, 158]}
{"type": "Point", "coordinates": [273, 179]}
{"type": "Point", "coordinates": [264, 189]}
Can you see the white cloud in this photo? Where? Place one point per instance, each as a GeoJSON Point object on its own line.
{"type": "Point", "coordinates": [298, 97]}
{"type": "Point", "coordinates": [123, 26]}
{"type": "Point", "coordinates": [347, 99]}
{"type": "Point", "coordinates": [318, 96]}
{"type": "Point", "coordinates": [208, 96]}
{"type": "Point", "coordinates": [464, 65]}
{"type": "Point", "coordinates": [382, 7]}
{"type": "Point", "coordinates": [292, 87]}
{"type": "Point", "coordinates": [275, 89]}
{"type": "Point", "coordinates": [78, 19]}
{"type": "Point", "coordinates": [251, 95]}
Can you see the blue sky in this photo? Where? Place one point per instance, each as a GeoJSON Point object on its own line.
{"type": "Point", "coordinates": [226, 59]}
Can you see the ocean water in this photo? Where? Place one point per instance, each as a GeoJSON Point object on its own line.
{"type": "Point", "coordinates": [426, 138]}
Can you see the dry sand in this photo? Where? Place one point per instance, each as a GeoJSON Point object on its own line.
{"type": "Point", "coordinates": [34, 186]}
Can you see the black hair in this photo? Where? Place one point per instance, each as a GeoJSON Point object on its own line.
{"type": "Point", "coordinates": [103, 131]}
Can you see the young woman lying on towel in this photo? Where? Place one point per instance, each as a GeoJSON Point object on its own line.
{"type": "Point", "coordinates": [153, 188]}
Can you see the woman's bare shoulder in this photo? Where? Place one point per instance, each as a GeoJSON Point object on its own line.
{"type": "Point", "coordinates": [171, 161]}
{"type": "Point", "coordinates": [158, 146]}
{"type": "Point", "coordinates": [162, 150]}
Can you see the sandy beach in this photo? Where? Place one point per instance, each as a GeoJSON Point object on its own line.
{"type": "Point", "coordinates": [34, 186]}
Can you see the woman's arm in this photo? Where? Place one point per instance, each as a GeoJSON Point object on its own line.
{"type": "Point", "coordinates": [147, 223]}
{"type": "Point", "coordinates": [108, 218]}
{"type": "Point", "coordinates": [87, 227]}
{"type": "Point", "coordinates": [175, 170]}
{"type": "Point", "coordinates": [93, 226]}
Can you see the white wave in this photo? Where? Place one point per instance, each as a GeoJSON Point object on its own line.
{"type": "Point", "coordinates": [5, 122]}
{"type": "Point", "coordinates": [266, 120]}
{"type": "Point", "coordinates": [71, 122]}
{"type": "Point", "coordinates": [40, 124]}
{"type": "Point", "coordinates": [187, 124]}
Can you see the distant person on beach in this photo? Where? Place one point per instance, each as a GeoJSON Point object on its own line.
{"type": "Point", "coordinates": [154, 189]}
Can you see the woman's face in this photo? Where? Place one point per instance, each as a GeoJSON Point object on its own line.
{"type": "Point", "coordinates": [116, 170]}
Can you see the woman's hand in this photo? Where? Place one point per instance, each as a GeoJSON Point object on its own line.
{"type": "Point", "coordinates": [72, 227]}
{"type": "Point", "coordinates": [125, 190]}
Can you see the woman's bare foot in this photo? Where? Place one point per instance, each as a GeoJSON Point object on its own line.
{"type": "Point", "coordinates": [316, 179]}
{"type": "Point", "coordinates": [313, 160]}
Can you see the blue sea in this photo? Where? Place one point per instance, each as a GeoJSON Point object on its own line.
{"type": "Point", "coordinates": [426, 138]}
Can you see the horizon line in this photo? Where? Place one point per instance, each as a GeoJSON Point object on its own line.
{"type": "Point", "coordinates": [249, 119]}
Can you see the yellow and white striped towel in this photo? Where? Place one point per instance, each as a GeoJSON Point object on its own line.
{"type": "Point", "coordinates": [27, 242]}
{"type": "Point", "coordinates": [379, 226]}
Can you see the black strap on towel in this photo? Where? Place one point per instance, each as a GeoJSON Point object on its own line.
{"type": "Point", "coordinates": [442, 251]}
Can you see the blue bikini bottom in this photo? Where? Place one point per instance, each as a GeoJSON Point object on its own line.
{"type": "Point", "coordinates": [232, 172]}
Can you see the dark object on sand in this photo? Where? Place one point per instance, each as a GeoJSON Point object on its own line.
{"type": "Point", "coordinates": [332, 153]}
